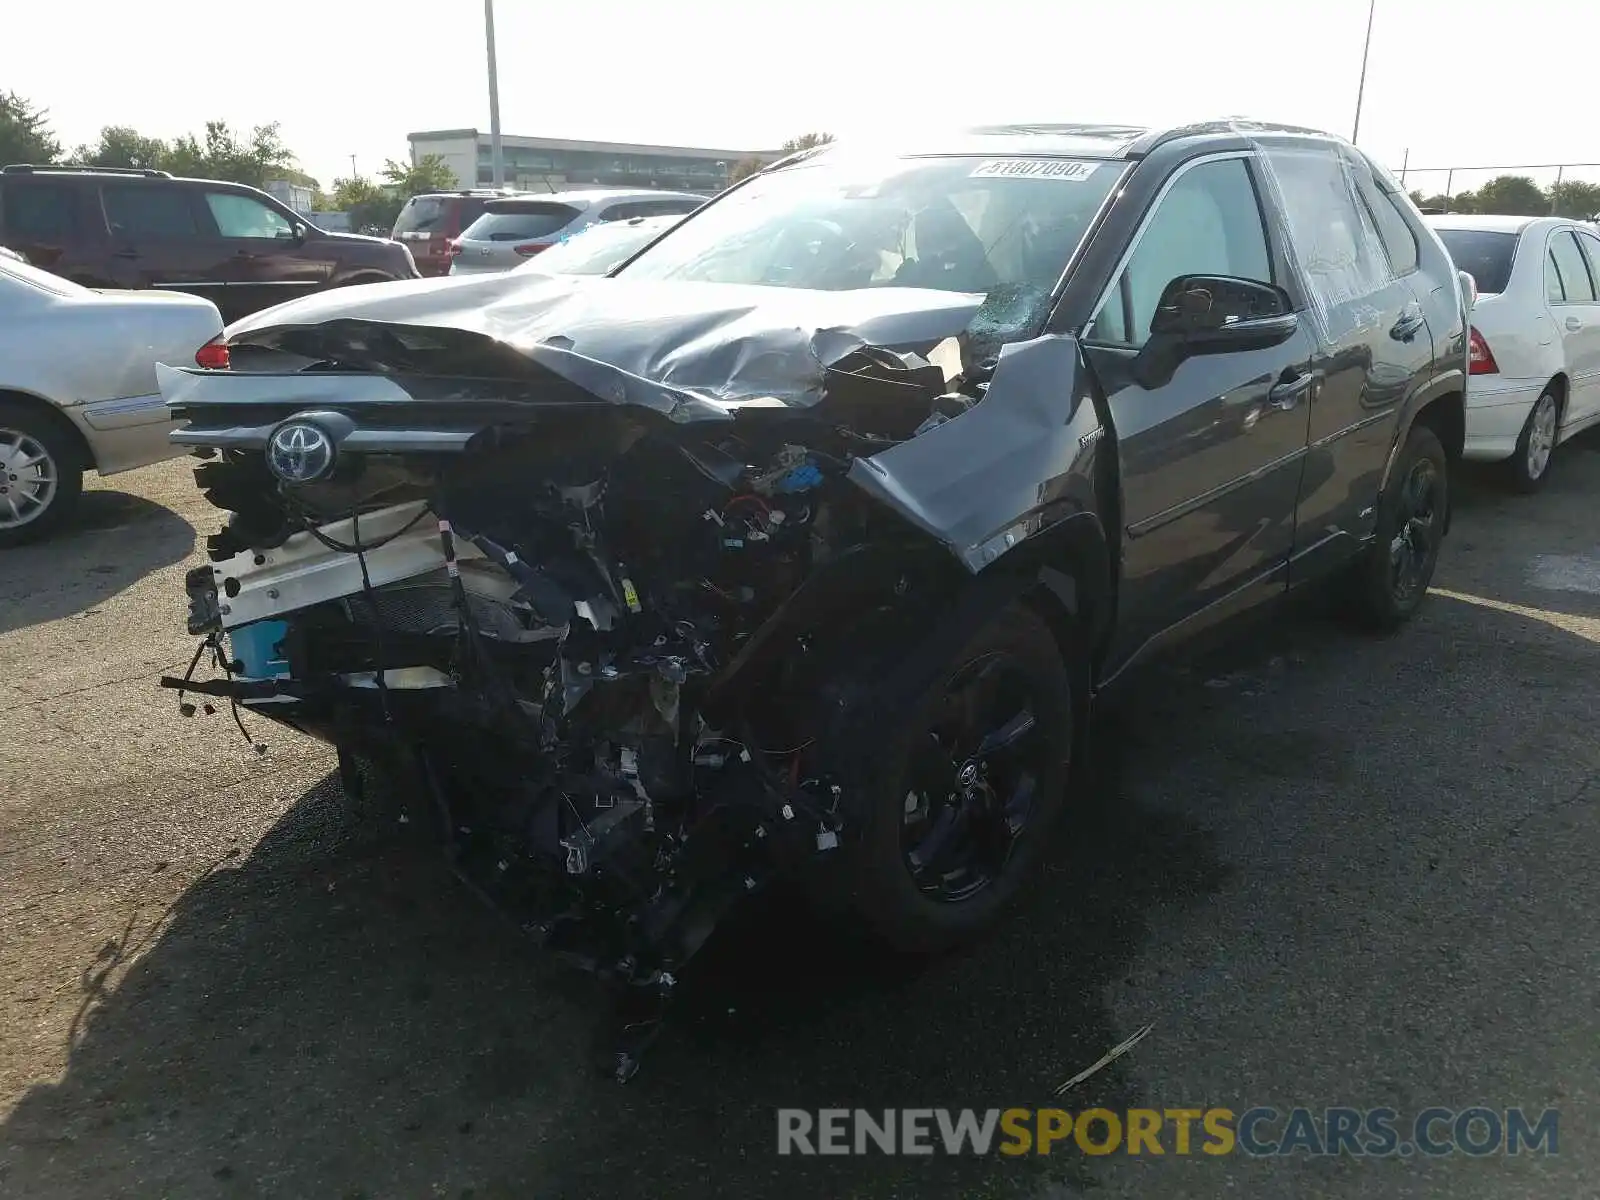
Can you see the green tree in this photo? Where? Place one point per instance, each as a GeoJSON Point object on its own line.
{"type": "Point", "coordinates": [1511, 195]}
{"type": "Point", "coordinates": [805, 142]}
{"type": "Point", "coordinates": [749, 166]}
{"type": "Point", "coordinates": [1576, 198]}
{"type": "Point", "coordinates": [1461, 202]}
{"type": "Point", "coordinates": [120, 146]}
{"type": "Point", "coordinates": [371, 206]}
{"type": "Point", "coordinates": [25, 135]}
{"type": "Point", "coordinates": [429, 174]}
{"type": "Point", "coordinates": [224, 155]}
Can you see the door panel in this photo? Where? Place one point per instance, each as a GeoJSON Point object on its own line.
{"type": "Point", "coordinates": [1374, 346]}
{"type": "Point", "coordinates": [158, 240]}
{"type": "Point", "coordinates": [1209, 460]}
{"type": "Point", "coordinates": [1577, 318]}
{"type": "Point", "coordinates": [1210, 466]}
{"type": "Point", "coordinates": [264, 263]}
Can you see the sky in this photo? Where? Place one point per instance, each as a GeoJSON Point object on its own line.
{"type": "Point", "coordinates": [1449, 82]}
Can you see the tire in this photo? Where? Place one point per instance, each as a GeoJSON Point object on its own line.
{"type": "Point", "coordinates": [36, 499]}
{"type": "Point", "coordinates": [1016, 655]}
{"type": "Point", "coordinates": [1392, 576]}
{"type": "Point", "coordinates": [1529, 466]}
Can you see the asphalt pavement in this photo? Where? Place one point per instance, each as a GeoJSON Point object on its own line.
{"type": "Point", "coordinates": [1327, 869]}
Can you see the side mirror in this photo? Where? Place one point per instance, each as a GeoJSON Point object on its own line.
{"type": "Point", "coordinates": [1202, 309]}
{"type": "Point", "coordinates": [1469, 288]}
{"type": "Point", "coordinates": [301, 231]}
{"type": "Point", "coordinates": [1212, 314]}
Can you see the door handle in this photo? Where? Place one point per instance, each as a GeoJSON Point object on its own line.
{"type": "Point", "coordinates": [1573, 324]}
{"type": "Point", "coordinates": [124, 254]}
{"type": "Point", "coordinates": [1411, 320]}
{"type": "Point", "coordinates": [1287, 394]}
{"type": "Point", "coordinates": [246, 255]}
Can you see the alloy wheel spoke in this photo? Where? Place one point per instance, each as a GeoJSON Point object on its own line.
{"type": "Point", "coordinates": [931, 858]}
{"type": "Point", "coordinates": [1007, 735]}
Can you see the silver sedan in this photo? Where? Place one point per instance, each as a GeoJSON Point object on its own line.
{"type": "Point", "coordinates": [78, 387]}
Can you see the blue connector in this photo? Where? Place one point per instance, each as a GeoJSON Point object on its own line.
{"type": "Point", "coordinates": [802, 479]}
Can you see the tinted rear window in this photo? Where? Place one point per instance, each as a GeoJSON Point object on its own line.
{"type": "Point", "coordinates": [36, 211]}
{"type": "Point", "coordinates": [515, 221]}
{"type": "Point", "coordinates": [423, 214]}
{"type": "Point", "coordinates": [139, 210]}
{"type": "Point", "coordinates": [1483, 255]}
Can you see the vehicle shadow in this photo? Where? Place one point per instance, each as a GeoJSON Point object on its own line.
{"type": "Point", "coordinates": [328, 1019]}
{"type": "Point", "coordinates": [114, 540]}
{"type": "Point", "coordinates": [1555, 574]}
{"type": "Point", "coordinates": [325, 1018]}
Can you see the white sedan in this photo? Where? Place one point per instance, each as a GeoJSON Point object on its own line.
{"type": "Point", "coordinates": [1535, 338]}
{"type": "Point", "coordinates": [78, 387]}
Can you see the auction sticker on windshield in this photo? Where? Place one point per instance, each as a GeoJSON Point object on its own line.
{"type": "Point", "coordinates": [1034, 168]}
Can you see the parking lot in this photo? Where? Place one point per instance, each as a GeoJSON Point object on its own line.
{"type": "Point", "coordinates": [1330, 870]}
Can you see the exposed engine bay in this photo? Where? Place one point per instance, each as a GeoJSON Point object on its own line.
{"type": "Point", "coordinates": [623, 652]}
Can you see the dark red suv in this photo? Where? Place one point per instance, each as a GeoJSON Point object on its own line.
{"type": "Point", "coordinates": [429, 223]}
{"type": "Point", "coordinates": [238, 247]}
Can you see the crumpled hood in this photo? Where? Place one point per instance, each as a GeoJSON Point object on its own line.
{"type": "Point", "coordinates": [719, 342]}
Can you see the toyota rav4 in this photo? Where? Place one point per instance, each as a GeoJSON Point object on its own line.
{"type": "Point", "coordinates": [799, 545]}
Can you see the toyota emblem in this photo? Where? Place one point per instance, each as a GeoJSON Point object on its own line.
{"type": "Point", "coordinates": [300, 452]}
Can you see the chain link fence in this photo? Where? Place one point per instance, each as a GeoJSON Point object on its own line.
{"type": "Point", "coordinates": [1519, 189]}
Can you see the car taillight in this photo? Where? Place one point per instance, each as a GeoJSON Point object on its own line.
{"type": "Point", "coordinates": [1479, 359]}
{"type": "Point", "coordinates": [213, 356]}
{"type": "Point", "coordinates": [529, 249]}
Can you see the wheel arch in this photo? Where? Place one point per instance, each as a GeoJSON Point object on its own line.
{"type": "Point", "coordinates": [53, 415]}
{"type": "Point", "coordinates": [362, 275]}
{"type": "Point", "coordinates": [1065, 574]}
{"type": "Point", "coordinates": [1562, 386]}
{"type": "Point", "coordinates": [1441, 407]}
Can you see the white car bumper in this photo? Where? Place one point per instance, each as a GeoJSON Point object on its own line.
{"type": "Point", "coordinates": [1496, 411]}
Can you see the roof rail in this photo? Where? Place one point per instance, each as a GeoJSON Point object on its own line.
{"type": "Point", "coordinates": [1243, 126]}
{"type": "Point", "coordinates": [75, 169]}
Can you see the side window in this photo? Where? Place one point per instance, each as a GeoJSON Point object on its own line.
{"type": "Point", "coordinates": [40, 212]}
{"type": "Point", "coordinates": [1573, 284]}
{"type": "Point", "coordinates": [245, 217]}
{"type": "Point", "coordinates": [1208, 223]}
{"type": "Point", "coordinates": [1399, 239]}
{"type": "Point", "coordinates": [142, 210]}
{"type": "Point", "coordinates": [1591, 251]}
{"type": "Point", "coordinates": [646, 208]}
{"type": "Point", "coordinates": [620, 212]}
{"type": "Point", "coordinates": [1335, 239]}
{"type": "Point", "coordinates": [668, 208]}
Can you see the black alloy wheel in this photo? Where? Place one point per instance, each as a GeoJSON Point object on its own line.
{"type": "Point", "coordinates": [1419, 524]}
{"type": "Point", "coordinates": [973, 779]}
{"type": "Point", "coordinates": [970, 774]}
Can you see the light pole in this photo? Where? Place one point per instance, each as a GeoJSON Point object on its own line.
{"type": "Point", "coordinates": [1372, 8]}
{"type": "Point", "coordinates": [495, 155]}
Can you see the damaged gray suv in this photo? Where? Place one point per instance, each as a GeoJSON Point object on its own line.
{"type": "Point", "coordinates": [798, 546]}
